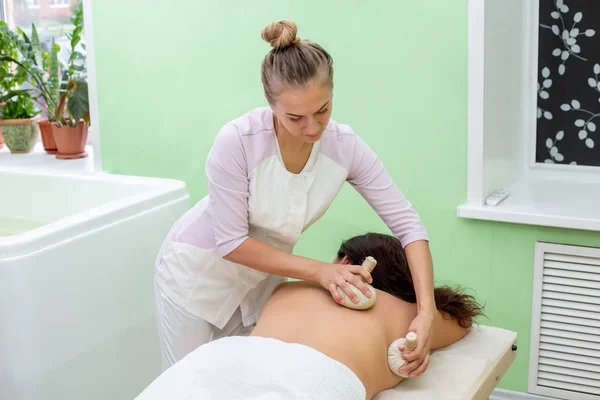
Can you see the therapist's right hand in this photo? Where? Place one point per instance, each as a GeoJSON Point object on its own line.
{"type": "Point", "coordinates": [332, 276]}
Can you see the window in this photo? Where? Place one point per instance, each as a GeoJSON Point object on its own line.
{"type": "Point", "coordinates": [508, 145]}
{"type": "Point", "coordinates": [50, 23]}
{"type": "Point", "coordinates": [52, 19]}
{"type": "Point", "coordinates": [568, 83]}
{"type": "Point", "coordinates": [59, 3]}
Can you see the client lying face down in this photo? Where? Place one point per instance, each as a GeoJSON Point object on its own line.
{"type": "Point", "coordinates": [305, 344]}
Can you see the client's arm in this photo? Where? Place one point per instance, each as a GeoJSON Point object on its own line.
{"type": "Point", "coordinates": [446, 331]}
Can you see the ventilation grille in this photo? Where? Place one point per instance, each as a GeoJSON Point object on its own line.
{"type": "Point", "coordinates": [565, 342]}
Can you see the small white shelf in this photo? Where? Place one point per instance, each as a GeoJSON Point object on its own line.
{"type": "Point", "coordinates": [39, 159]}
{"type": "Point", "coordinates": [546, 198]}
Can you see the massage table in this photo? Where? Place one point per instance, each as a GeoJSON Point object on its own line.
{"type": "Point", "coordinates": [469, 369]}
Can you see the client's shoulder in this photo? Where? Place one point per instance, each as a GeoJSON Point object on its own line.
{"type": "Point", "coordinates": [299, 294]}
{"type": "Point", "coordinates": [295, 286]}
{"type": "Point", "coordinates": [387, 302]}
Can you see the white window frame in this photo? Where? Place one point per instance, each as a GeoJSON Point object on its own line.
{"type": "Point", "coordinates": [3, 7]}
{"type": "Point", "coordinates": [92, 83]}
{"type": "Point", "coordinates": [60, 3]}
{"type": "Point", "coordinates": [30, 5]}
{"type": "Point", "coordinates": [575, 190]}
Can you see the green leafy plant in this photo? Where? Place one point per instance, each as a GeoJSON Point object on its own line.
{"type": "Point", "coordinates": [67, 99]}
{"type": "Point", "coordinates": [44, 68]}
{"type": "Point", "coordinates": [47, 69]}
{"type": "Point", "coordinates": [27, 60]}
{"type": "Point", "coordinates": [51, 58]}
{"type": "Point", "coordinates": [77, 104]}
{"type": "Point", "coordinates": [76, 67]}
{"type": "Point", "coordinates": [10, 76]}
{"type": "Point", "coordinates": [19, 105]}
{"type": "Point", "coordinates": [16, 103]}
{"type": "Point", "coordinates": [74, 87]}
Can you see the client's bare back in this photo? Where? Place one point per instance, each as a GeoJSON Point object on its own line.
{"type": "Point", "coordinates": [299, 312]}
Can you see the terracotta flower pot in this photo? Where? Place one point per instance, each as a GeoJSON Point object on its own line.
{"type": "Point", "coordinates": [47, 136]}
{"type": "Point", "coordinates": [20, 135]}
{"type": "Point", "coordinates": [70, 141]}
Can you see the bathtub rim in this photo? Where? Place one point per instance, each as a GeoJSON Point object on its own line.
{"type": "Point", "coordinates": [160, 191]}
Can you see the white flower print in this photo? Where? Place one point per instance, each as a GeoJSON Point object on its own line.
{"type": "Point", "coordinates": [568, 87]}
{"type": "Point", "coordinates": [544, 93]}
{"type": "Point", "coordinates": [568, 36]}
{"type": "Point", "coordinates": [586, 126]}
{"type": "Point", "coordinates": [551, 145]}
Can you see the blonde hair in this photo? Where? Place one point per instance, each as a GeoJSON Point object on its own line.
{"type": "Point", "coordinates": [292, 61]}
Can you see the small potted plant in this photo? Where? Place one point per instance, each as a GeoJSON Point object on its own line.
{"type": "Point", "coordinates": [72, 117]}
{"type": "Point", "coordinates": [50, 99]}
{"type": "Point", "coordinates": [18, 117]}
{"type": "Point", "coordinates": [71, 132]}
{"type": "Point", "coordinates": [52, 65]}
{"type": "Point", "coordinates": [47, 84]}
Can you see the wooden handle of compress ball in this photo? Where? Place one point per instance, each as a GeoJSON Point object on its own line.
{"type": "Point", "coordinates": [369, 264]}
{"type": "Point", "coordinates": [411, 342]}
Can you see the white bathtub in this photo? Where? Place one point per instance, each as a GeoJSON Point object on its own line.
{"type": "Point", "coordinates": [76, 282]}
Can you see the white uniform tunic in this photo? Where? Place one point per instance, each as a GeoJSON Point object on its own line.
{"type": "Point", "coordinates": [252, 194]}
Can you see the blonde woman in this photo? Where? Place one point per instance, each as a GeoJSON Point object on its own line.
{"type": "Point", "coordinates": [271, 174]}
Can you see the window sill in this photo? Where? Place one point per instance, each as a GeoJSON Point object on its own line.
{"type": "Point", "coordinates": [39, 159]}
{"type": "Point", "coordinates": [546, 198]}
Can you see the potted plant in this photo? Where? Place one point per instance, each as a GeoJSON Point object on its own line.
{"type": "Point", "coordinates": [43, 68]}
{"type": "Point", "coordinates": [50, 97]}
{"type": "Point", "coordinates": [47, 83]}
{"type": "Point", "coordinates": [18, 118]}
{"type": "Point", "coordinates": [10, 77]}
{"type": "Point", "coordinates": [71, 133]}
{"type": "Point", "coordinates": [27, 59]}
{"type": "Point", "coordinates": [72, 117]}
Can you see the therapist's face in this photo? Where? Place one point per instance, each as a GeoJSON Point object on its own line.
{"type": "Point", "coordinates": [303, 112]}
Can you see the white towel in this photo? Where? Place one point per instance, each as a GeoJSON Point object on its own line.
{"type": "Point", "coordinates": [255, 368]}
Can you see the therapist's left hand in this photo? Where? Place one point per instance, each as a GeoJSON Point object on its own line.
{"type": "Point", "coordinates": [418, 360]}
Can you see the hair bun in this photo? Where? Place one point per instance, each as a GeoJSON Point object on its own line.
{"type": "Point", "coordinates": [280, 34]}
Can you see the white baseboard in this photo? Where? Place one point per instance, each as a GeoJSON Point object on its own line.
{"type": "Point", "coordinates": [501, 394]}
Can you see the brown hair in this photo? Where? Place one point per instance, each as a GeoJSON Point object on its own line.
{"type": "Point", "coordinates": [392, 275]}
{"type": "Point", "coordinates": [292, 61]}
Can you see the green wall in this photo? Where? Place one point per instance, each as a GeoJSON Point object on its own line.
{"type": "Point", "coordinates": [170, 74]}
